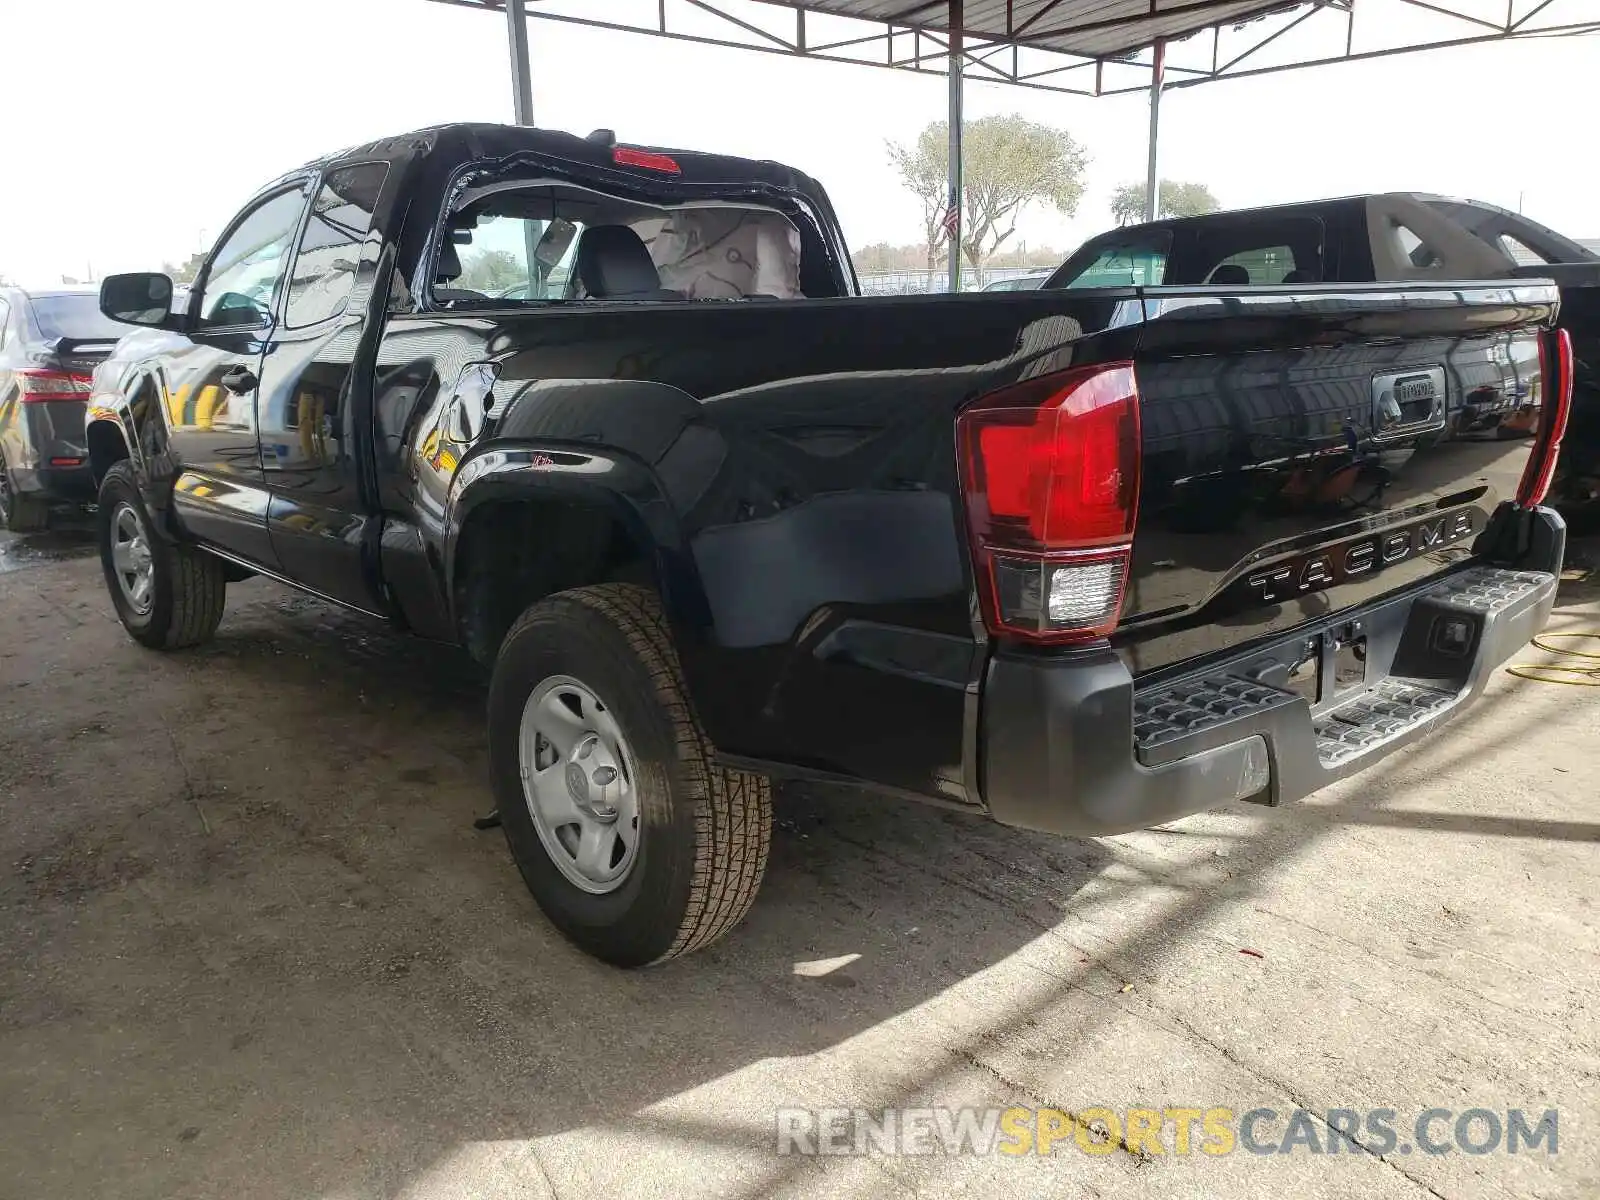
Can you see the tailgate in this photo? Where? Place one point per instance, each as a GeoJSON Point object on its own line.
{"type": "Point", "coordinates": [1309, 450]}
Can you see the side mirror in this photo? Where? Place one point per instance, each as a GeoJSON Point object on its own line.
{"type": "Point", "coordinates": [138, 298]}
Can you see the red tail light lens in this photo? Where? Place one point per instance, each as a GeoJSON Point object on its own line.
{"type": "Point", "coordinates": [1555, 374]}
{"type": "Point", "coordinates": [1050, 480]}
{"type": "Point", "coordinates": [626, 156]}
{"type": "Point", "coordinates": [40, 386]}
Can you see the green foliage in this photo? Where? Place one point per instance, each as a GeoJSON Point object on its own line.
{"type": "Point", "coordinates": [1177, 199]}
{"type": "Point", "coordinates": [490, 272]}
{"type": "Point", "coordinates": [1007, 162]}
{"type": "Point", "coordinates": [186, 271]}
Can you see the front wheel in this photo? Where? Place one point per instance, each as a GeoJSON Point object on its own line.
{"type": "Point", "coordinates": [633, 841]}
{"type": "Point", "coordinates": [167, 596]}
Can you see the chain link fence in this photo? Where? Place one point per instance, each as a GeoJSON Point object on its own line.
{"type": "Point", "coordinates": [919, 283]}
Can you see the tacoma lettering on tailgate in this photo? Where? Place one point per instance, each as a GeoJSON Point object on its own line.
{"type": "Point", "coordinates": [1325, 567]}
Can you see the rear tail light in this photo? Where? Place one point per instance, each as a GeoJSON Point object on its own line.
{"type": "Point", "coordinates": [1555, 374]}
{"type": "Point", "coordinates": [40, 386]}
{"type": "Point", "coordinates": [1050, 481]}
{"type": "Point", "coordinates": [626, 156]}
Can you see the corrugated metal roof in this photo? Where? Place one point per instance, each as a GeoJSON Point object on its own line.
{"type": "Point", "coordinates": [1090, 28]}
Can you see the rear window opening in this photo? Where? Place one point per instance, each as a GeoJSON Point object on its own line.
{"type": "Point", "coordinates": [73, 315]}
{"type": "Point", "coordinates": [550, 243]}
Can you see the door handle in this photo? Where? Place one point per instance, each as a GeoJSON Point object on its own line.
{"type": "Point", "coordinates": [240, 380]}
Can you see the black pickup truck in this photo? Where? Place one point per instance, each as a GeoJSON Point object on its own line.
{"type": "Point", "coordinates": [1391, 237]}
{"type": "Point", "coordinates": [615, 421]}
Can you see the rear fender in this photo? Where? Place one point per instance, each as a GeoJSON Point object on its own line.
{"type": "Point", "coordinates": [604, 478]}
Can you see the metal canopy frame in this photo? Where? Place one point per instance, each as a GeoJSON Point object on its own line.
{"type": "Point", "coordinates": [1019, 54]}
{"type": "Point", "coordinates": [1154, 46]}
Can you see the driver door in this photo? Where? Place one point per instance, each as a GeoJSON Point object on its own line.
{"type": "Point", "coordinates": [211, 384]}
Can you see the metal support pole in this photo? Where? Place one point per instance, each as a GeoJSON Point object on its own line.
{"type": "Point", "coordinates": [1152, 177]}
{"type": "Point", "coordinates": [953, 213]}
{"type": "Point", "coordinates": [522, 108]}
{"type": "Point", "coordinates": [521, 71]}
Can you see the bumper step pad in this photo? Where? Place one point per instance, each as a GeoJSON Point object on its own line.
{"type": "Point", "coordinates": [1184, 711]}
{"type": "Point", "coordinates": [1387, 711]}
{"type": "Point", "coordinates": [1487, 589]}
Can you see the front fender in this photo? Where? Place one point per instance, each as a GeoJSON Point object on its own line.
{"type": "Point", "coordinates": [130, 409]}
{"type": "Point", "coordinates": [104, 428]}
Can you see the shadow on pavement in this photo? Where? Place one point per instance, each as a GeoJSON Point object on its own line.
{"type": "Point", "coordinates": [294, 968]}
{"type": "Point", "coordinates": [302, 972]}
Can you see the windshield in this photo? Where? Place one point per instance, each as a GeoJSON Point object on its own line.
{"type": "Point", "coordinates": [73, 315]}
{"type": "Point", "coordinates": [515, 258]}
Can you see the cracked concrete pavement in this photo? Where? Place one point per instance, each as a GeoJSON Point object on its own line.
{"type": "Point", "coordinates": [254, 948]}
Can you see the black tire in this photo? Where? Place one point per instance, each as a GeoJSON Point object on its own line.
{"type": "Point", "coordinates": [188, 586]}
{"type": "Point", "coordinates": [704, 829]}
{"type": "Point", "coordinates": [19, 513]}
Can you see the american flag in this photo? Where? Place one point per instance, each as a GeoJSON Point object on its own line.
{"type": "Point", "coordinates": [951, 220]}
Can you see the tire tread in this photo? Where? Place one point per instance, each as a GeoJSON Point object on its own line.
{"type": "Point", "coordinates": [733, 809]}
{"type": "Point", "coordinates": [199, 592]}
{"type": "Point", "coordinates": [196, 581]}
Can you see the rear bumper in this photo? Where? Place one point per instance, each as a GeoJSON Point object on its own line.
{"type": "Point", "coordinates": [53, 433]}
{"type": "Point", "coordinates": [56, 483]}
{"type": "Point", "coordinates": [1070, 745]}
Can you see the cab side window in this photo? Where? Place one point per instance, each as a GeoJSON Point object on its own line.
{"type": "Point", "coordinates": [1133, 261]}
{"type": "Point", "coordinates": [330, 249]}
{"type": "Point", "coordinates": [245, 274]}
{"type": "Point", "coordinates": [1255, 253]}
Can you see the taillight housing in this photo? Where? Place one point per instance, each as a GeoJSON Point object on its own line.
{"type": "Point", "coordinates": [1050, 482]}
{"type": "Point", "coordinates": [40, 385]}
{"type": "Point", "coordinates": [1555, 386]}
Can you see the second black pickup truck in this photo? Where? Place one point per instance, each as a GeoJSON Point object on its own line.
{"type": "Point", "coordinates": [614, 420]}
{"type": "Point", "coordinates": [1392, 237]}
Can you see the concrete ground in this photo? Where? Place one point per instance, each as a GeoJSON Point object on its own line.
{"type": "Point", "coordinates": [253, 947]}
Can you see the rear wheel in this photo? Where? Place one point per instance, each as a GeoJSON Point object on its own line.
{"type": "Point", "coordinates": [20, 513]}
{"type": "Point", "coordinates": [167, 596]}
{"type": "Point", "coordinates": [634, 842]}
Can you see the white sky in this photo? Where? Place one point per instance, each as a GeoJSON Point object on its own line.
{"type": "Point", "coordinates": [137, 127]}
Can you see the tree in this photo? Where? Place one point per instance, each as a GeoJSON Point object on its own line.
{"type": "Point", "coordinates": [186, 271]}
{"type": "Point", "coordinates": [1177, 199]}
{"type": "Point", "coordinates": [923, 172]}
{"type": "Point", "coordinates": [490, 272]}
{"type": "Point", "coordinates": [1008, 163]}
